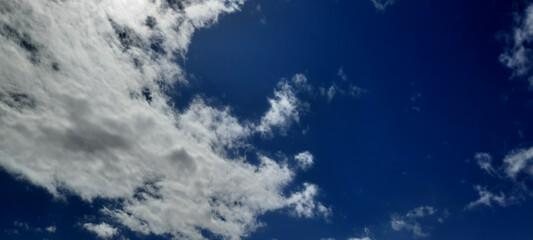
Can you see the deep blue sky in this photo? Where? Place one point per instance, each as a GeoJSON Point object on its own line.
{"type": "Point", "coordinates": [436, 94]}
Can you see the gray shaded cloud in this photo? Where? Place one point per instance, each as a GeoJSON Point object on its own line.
{"type": "Point", "coordinates": [90, 117]}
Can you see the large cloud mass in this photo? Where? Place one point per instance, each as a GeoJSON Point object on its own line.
{"type": "Point", "coordinates": [83, 110]}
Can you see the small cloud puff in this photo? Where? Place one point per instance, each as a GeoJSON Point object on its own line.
{"type": "Point", "coordinates": [304, 160]}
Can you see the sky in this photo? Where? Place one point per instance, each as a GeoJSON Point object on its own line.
{"type": "Point", "coordinates": [266, 119]}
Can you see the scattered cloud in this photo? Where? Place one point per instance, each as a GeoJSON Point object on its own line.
{"type": "Point", "coordinates": [487, 198]}
{"type": "Point", "coordinates": [343, 88]}
{"type": "Point", "coordinates": [304, 160]}
{"type": "Point", "coordinates": [303, 203]}
{"type": "Point", "coordinates": [484, 160]}
{"type": "Point", "coordinates": [381, 5]}
{"type": "Point", "coordinates": [518, 54]}
{"type": "Point", "coordinates": [102, 230]}
{"type": "Point", "coordinates": [516, 171]}
{"type": "Point", "coordinates": [51, 229]}
{"type": "Point", "coordinates": [285, 107]}
{"type": "Point", "coordinates": [410, 221]}
{"type": "Point", "coordinates": [342, 74]}
{"type": "Point", "coordinates": [519, 162]}
{"type": "Point", "coordinates": [84, 111]}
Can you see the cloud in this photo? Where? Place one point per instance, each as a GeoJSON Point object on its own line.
{"type": "Point", "coordinates": [517, 162]}
{"type": "Point", "coordinates": [342, 88]}
{"type": "Point", "coordinates": [516, 171]}
{"type": "Point", "coordinates": [102, 230]}
{"type": "Point", "coordinates": [83, 111]}
{"type": "Point", "coordinates": [51, 229]}
{"type": "Point", "coordinates": [342, 74]}
{"type": "Point", "coordinates": [421, 212]}
{"type": "Point", "coordinates": [518, 55]}
{"type": "Point", "coordinates": [381, 5]}
{"type": "Point", "coordinates": [363, 238]}
{"type": "Point", "coordinates": [304, 205]}
{"type": "Point", "coordinates": [304, 160]}
{"type": "Point", "coordinates": [484, 160]}
{"type": "Point", "coordinates": [409, 222]}
{"type": "Point", "coordinates": [285, 107]}
{"type": "Point", "coordinates": [487, 198]}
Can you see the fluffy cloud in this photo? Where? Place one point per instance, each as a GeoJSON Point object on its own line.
{"type": "Point", "coordinates": [83, 111]}
{"type": "Point", "coordinates": [304, 205]}
{"type": "Point", "coordinates": [409, 222]}
{"type": "Point", "coordinates": [304, 160]}
{"type": "Point", "coordinates": [381, 5]}
{"type": "Point", "coordinates": [102, 230]}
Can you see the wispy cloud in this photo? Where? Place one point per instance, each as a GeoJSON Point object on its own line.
{"type": "Point", "coordinates": [515, 171]}
{"type": "Point", "coordinates": [410, 222]}
{"type": "Point", "coordinates": [517, 54]}
{"type": "Point", "coordinates": [381, 5]}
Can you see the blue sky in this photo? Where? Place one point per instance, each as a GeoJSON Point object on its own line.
{"type": "Point", "coordinates": [280, 119]}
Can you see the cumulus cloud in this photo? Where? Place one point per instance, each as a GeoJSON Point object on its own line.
{"type": "Point", "coordinates": [381, 5]}
{"type": "Point", "coordinates": [304, 160]}
{"type": "Point", "coordinates": [102, 230]}
{"type": "Point", "coordinates": [410, 221]}
{"type": "Point", "coordinates": [83, 111]}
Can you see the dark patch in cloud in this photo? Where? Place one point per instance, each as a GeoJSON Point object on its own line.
{"type": "Point", "coordinates": [184, 160]}
{"type": "Point", "coordinates": [127, 37]}
{"type": "Point", "coordinates": [151, 22]}
{"type": "Point", "coordinates": [18, 101]}
{"type": "Point", "coordinates": [24, 41]}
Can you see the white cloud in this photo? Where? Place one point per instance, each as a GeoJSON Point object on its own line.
{"type": "Point", "coordinates": [285, 107]}
{"type": "Point", "coordinates": [410, 221]}
{"type": "Point", "coordinates": [487, 198]}
{"type": "Point", "coordinates": [304, 160]}
{"type": "Point", "coordinates": [484, 160]}
{"type": "Point", "coordinates": [363, 238]}
{"type": "Point", "coordinates": [517, 162]}
{"type": "Point", "coordinates": [517, 55]}
{"type": "Point", "coordinates": [421, 212]}
{"type": "Point", "coordinates": [102, 230]}
{"type": "Point", "coordinates": [516, 169]}
{"type": "Point", "coordinates": [381, 5]}
{"type": "Point", "coordinates": [303, 203]}
{"type": "Point", "coordinates": [83, 110]}
{"type": "Point", "coordinates": [51, 229]}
